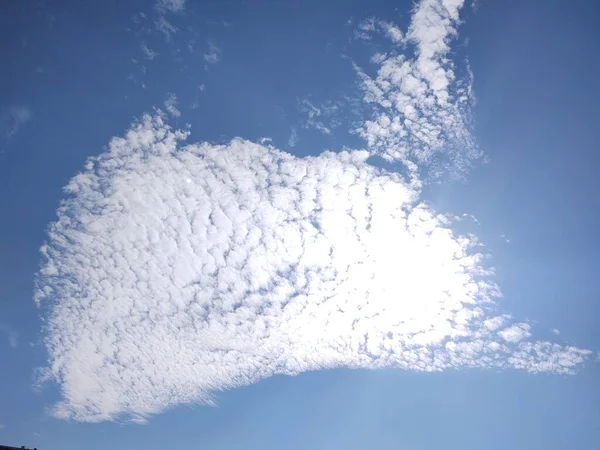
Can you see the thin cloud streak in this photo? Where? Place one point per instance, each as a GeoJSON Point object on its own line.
{"type": "Point", "coordinates": [322, 118]}
{"type": "Point", "coordinates": [148, 53]}
{"type": "Point", "coordinates": [13, 336]}
{"type": "Point", "coordinates": [170, 5]}
{"type": "Point", "coordinates": [12, 119]}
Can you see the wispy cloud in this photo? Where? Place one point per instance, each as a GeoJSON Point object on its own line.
{"type": "Point", "coordinates": [293, 139]}
{"type": "Point", "coordinates": [171, 5]}
{"type": "Point", "coordinates": [165, 27]}
{"type": "Point", "coordinates": [12, 118]}
{"type": "Point", "coordinates": [213, 55]}
{"type": "Point", "coordinates": [366, 28]}
{"type": "Point", "coordinates": [171, 105]}
{"type": "Point", "coordinates": [322, 118]}
{"type": "Point", "coordinates": [148, 53]}
{"type": "Point", "coordinates": [13, 336]}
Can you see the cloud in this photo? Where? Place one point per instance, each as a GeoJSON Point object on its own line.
{"type": "Point", "coordinates": [392, 32]}
{"type": "Point", "coordinates": [150, 54]}
{"type": "Point", "coordinates": [213, 55]}
{"type": "Point", "coordinates": [322, 118]}
{"type": "Point", "coordinates": [12, 118]}
{"type": "Point", "coordinates": [422, 103]}
{"type": "Point", "coordinates": [165, 27]}
{"type": "Point", "coordinates": [515, 333]}
{"type": "Point", "coordinates": [175, 271]}
{"type": "Point", "coordinates": [171, 5]}
{"type": "Point", "coordinates": [368, 27]}
{"type": "Point", "coordinates": [171, 105]}
{"type": "Point", "coordinates": [494, 323]}
{"type": "Point", "coordinates": [293, 140]}
{"type": "Point", "coordinates": [13, 336]}
{"type": "Point", "coordinates": [555, 331]}
{"type": "Point", "coordinates": [364, 29]}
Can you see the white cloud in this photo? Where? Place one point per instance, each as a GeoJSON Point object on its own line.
{"type": "Point", "coordinates": [322, 118]}
{"type": "Point", "coordinates": [393, 33]}
{"type": "Point", "coordinates": [171, 5]}
{"type": "Point", "coordinates": [13, 336]}
{"type": "Point", "coordinates": [150, 54]}
{"type": "Point", "coordinates": [293, 140]}
{"type": "Point", "coordinates": [494, 323]}
{"type": "Point", "coordinates": [555, 331]}
{"type": "Point", "coordinates": [171, 105]}
{"type": "Point", "coordinates": [12, 118]}
{"type": "Point", "coordinates": [165, 27]}
{"type": "Point", "coordinates": [368, 27]}
{"type": "Point", "coordinates": [175, 271]}
{"type": "Point", "coordinates": [139, 420]}
{"type": "Point", "coordinates": [213, 55]}
{"type": "Point", "coordinates": [471, 217]}
{"type": "Point", "coordinates": [515, 333]}
{"type": "Point", "coordinates": [422, 106]}
{"type": "Point", "coordinates": [364, 29]}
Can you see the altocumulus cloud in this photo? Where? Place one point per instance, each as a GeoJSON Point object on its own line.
{"type": "Point", "coordinates": [421, 106]}
{"type": "Point", "coordinates": [175, 271]}
{"type": "Point", "coordinates": [178, 270]}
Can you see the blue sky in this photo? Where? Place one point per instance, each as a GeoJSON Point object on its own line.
{"type": "Point", "coordinates": [429, 282]}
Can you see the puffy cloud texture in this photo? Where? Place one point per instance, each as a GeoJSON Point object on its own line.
{"type": "Point", "coordinates": [421, 105]}
{"type": "Point", "coordinates": [176, 271]}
